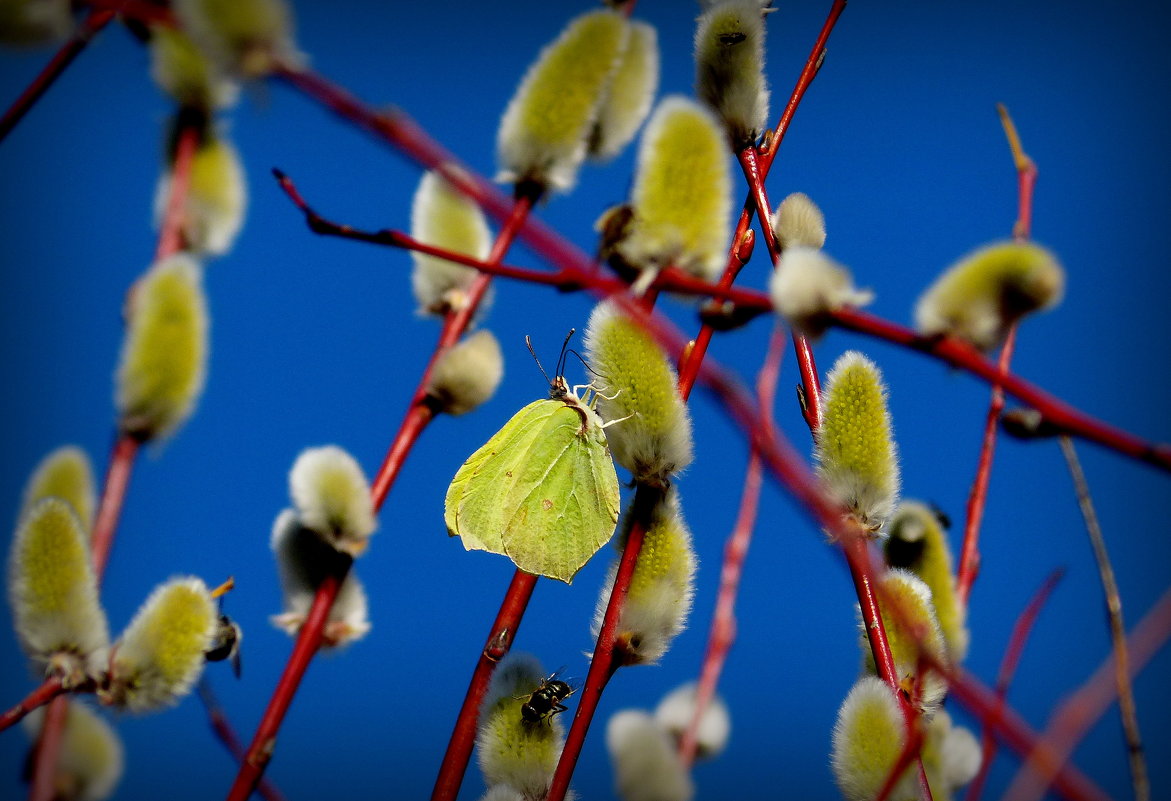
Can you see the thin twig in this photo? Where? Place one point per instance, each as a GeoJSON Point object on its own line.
{"type": "Point", "coordinates": [122, 458]}
{"type": "Point", "coordinates": [222, 728]}
{"type": "Point", "coordinates": [1046, 760]}
{"type": "Point", "coordinates": [969, 566]}
{"type": "Point", "coordinates": [171, 230]}
{"type": "Point", "coordinates": [969, 553]}
{"type": "Point", "coordinates": [1126, 704]}
{"type": "Point", "coordinates": [53, 70]}
{"type": "Point", "coordinates": [419, 414]}
{"type": "Point", "coordinates": [723, 628]}
{"type": "Point", "coordinates": [1008, 666]}
{"type": "Point", "coordinates": [48, 750]}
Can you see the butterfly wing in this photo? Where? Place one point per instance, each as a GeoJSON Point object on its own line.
{"type": "Point", "coordinates": [566, 505]}
{"type": "Point", "coordinates": [478, 502]}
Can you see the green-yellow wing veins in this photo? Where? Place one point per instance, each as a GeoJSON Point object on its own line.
{"type": "Point", "coordinates": [542, 491]}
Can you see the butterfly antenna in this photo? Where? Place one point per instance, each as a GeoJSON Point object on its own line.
{"type": "Point", "coordinates": [585, 364]}
{"type": "Point", "coordinates": [564, 350]}
{"type": "Point", "coordinates": [533, 353]}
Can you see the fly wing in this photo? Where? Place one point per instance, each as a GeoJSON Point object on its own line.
{"type": "Point", "coordinates": [566, 505]}
{"type": "Point", "coordinates": [481, 498]}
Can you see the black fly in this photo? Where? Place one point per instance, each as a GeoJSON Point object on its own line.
{"type": "Point", "coordinates": [545, 701]}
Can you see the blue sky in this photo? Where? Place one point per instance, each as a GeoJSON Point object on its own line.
{"type": "Point", "coordinates": [315, 341]}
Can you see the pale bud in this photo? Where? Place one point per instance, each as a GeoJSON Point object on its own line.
{"type": "Point", "coordinates": [443, 218]}
{"type": "Point", "coordinates": [66, 474]}
{"type": "Point", "coordinates": [807, 285]}
{"type": "Point", "coordinates": [467, 374]}
{"type": "Point", "coordinates": [980, 296]}
{"type": "Point", "coordinates": [646, 766]}
{"type": "Point", "coordinates": [675, 712]}
{"type": "Point", "coordinates": [332, 497]}
{"type": "Point", "coordinates": [630, 95]}
{"type": "Point", "coordinates": [164, 354]}
{"type": "Point", "coordinates": [798, 222]}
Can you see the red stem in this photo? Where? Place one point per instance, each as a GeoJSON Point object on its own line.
{"type": "Point", "coordinates": [171, 231]}
{"type": "Point", "coordinates": [1083, 708]}
{"type": "Point", "coordinates": [48, 750]}
{"type": "Point", "coordinates": [604, 663]}
{"type": "Point", "coordinates": [401, 132]}
{"type": "Point", "coordinates": [222, 728]}
{"type": "Point", "coordinates": [970, 549]}
{"type": "Point", "coordinates": [723, 628]}
{"type": "Point", "coordinates": [1008, 666]}
{"type": "Point", "coordinates": [122, 457]}
{"type": "Point", "coordinates": [418, 415]}
{"type": "Point", "coordinates": [49, 689]}
{"type": "Point", "coordinates": [500, 639]}
{"type": "Point", "coordinates": [53, 70]}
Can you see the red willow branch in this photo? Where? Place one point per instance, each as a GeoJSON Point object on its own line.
{"type": "Point", "coordinates": [1026, 171]}
{"type": "Point", "coordinates": [1008, 665]}
{"type": "Point", "coordinates": [419, 414]}
{"type": "Point", "coordinates": [53, 70]}
{"type": "Point", "coordinates": [222, 728]}
{"type": "Point", "coordinates": [1048, 755]}
{"type": "Point", "coordinates": [723, 627]}
{"type": "Point", "coordinates": [398, 130]}
{"type": "Point", "coordinates": [500, 639]}
{"type": "Point", "coordinates": [49, 689]}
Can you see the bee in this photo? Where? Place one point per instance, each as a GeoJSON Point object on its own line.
{"type": "Point", "coordinates": [545, 701]}
{"type": "Point", "coordinates": [225, 643]}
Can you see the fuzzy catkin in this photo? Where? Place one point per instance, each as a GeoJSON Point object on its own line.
{"type": "Point", "coordinates": [982, 294]}
{"type": "Point", "coordinates": [856, 456]}
{"type": "Point", "coordinates": [303, 561]}
{"type": "Point", "coordinates": [918, 543]}
{"type": "Point", "coordinates": [164, 354]}
{"type": "Point", "coordinates": [332, 497]}
{"type": "Point", "coordinates": [512, 751]}
{"type": "Point", "coordinates": [659, 598]}
{"type": "Point", "coordinates": [158, 658]}
{"type": "Point", "coordinates": [442, 217]}
{"type": "Point", "coordinates": [52, 589]}
{"type": "Point", "coordinates": [467, 374]}
{"type": "Point", "coordinates": [682, 197]}
{"type": "Point", "coordinates": [912, 629]}
{"type": "Point", "coordinates": [638, 390]}
{"type": "Point", "coordinates": [65, 473]}
{"type": "Point", "coordinates": [543, 136]}
{"type": "Point", "coordinates": [729, 68]}
{"type": "Point", "coordinates": [245, 38]}
{"type": "Point", "coordinates": [216, 200]}
{"type": "Point", "coordinates": [646, 766]}
{"type": "Point", "coordinates": [630, 94]}
{"type": "Point", "coordinates": [91, 759]}
{"type": "Point", "coordinates": [867, 738]}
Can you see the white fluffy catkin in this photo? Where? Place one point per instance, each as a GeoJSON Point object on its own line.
{"type": "Point", "coordinates": [799, 222]}
{"type": "Point", "coordinates": [729, 68]}
{"type": "Point", "coordinates": [442, 217]}
{"type": "Point", "coordinates": [332, 497]}
{"type": "Point", "coordinates": [646, 765]}
{"type": "Point", "coordinates": [467, 374]}
{"type": "Point", "coordinates": [807, 285]}
{"type": "Point", "coordinates": [674, 714]}
{"type": "Point", "coordinates": [302, 559]}
{"type": "Point", "coordinates": [658, 601]}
